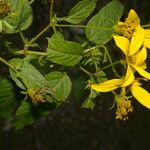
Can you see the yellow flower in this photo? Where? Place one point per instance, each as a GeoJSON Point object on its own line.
{"type": "Point", "coordinates": [128, 82]}
{"type": "Point", "coordinates": [132, 28]}
{"type": "Point", "coordinates": [134, 57]}
{"type": "Point", "coordinates": [128, 27]}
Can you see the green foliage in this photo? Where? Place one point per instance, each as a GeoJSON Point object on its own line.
{"type": "Point", "coordinates": [80, 11]}
{"type": "Point", "coordinates": [8, 100]}
{"type": "Point", "coordinates": [101, 26]}
{"type": "Point", "coordinates": [88, 103]}
{"type": "Point", "coordinates": [25, 75]}
{"type": "Point", "coordinates": [60, 83]}
{"type": "Point", "coordinates": [64, 52]}
{"type": "Point", "coordinates": [28, 113]}
{"type": "Point", "coordinates": [20, 16]}
{"type": "Point", "coordinates": [66, 69]}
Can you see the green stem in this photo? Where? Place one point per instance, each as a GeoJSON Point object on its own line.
{"type": "Point", "coordinates": [51, 9]}
{"type": "Point", "coordinates": [110, 60]}
{"type": "Point", "coordinates": [6, 63]}
{"type": "Point", "coordinates": [81, 26]}
{"type": "Point", "coordinates": [87, 72]}
{"type": "Point", "coordinates": [89, 49]}
{"type": "Point", "coordinates": [27, 52]}
{"type": "Point", "coordinates": [146, 26]}
{"type": "Point", "coordinates": [22, 37]}
{"type": "Point", "coordinates": [39, 34]}
{"type": "Point", "coordinates": [84, 44]}
{"type": "Point", "coordinates": [46, 28]}
{"type": "Point", "coordinates": [31, 2]}
{"type": "Point", "coordinates": [112, 64]}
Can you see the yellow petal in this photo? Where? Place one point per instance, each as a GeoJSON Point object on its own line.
{"type": "Point", "coordinates": [141, 95]}
{"type": "Point", "coordinates": [141, 57]}
{"type": "Point", "coordinates": [147, 38]}
{"type": "Point", "coordinates": [143, 66]}
{"type": "Point", "coordinates": [141, 72]}
{"type": "Point", "coordinates": [133, 19]}
{"type": "Point", "coordinates": [107, 86]}
{"type": "Point", "coordinates": [136, 40]}
{"type": "Point", "coordinates": [147, 42]}
{"type": "Point", "coordinates": [147, 33]}
{"type": "Point", "coordinates": [122, 43]}
{"type": "Point", "coordinates": [129, 78]}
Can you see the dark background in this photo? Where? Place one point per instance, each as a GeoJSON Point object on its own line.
{"type": "Point", "coordinates": [70, 127]}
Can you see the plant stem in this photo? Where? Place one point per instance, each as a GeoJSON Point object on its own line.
{"type": "Point", "coordinates": [51, 9]}
{"type": "Point", "coordinates": [22, 37]}
{"type": "Point", "coordinates": [87, 72]}
{"type": "Point", "coordinates": [146, 26]}
{"type": "Point", "coordinates": [89, 49]}
{"type": "Point", "coordinates": [27, 52]}
{"type": "Point", "coordinates": [31, 2]}
{"type": "Point", "coordinates": [110, 65]}
{"type": "Point", "coordinates": [80, 26]}
{"type": "Point", "coordinates": [110, 60]}
{"type": "Point", "coordinates": [6, 63]}
{"type": "Point", "coordinates": [39, 34]}
{"type": "Point", "coordinates": [62, 25]}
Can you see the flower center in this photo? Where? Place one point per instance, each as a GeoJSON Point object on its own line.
{"type": "Point", "coordinates": [131, 60]}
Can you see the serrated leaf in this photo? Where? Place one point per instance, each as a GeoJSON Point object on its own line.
{"type": "Point", "coordinates": [26, 75]}
{"type": "Point", "coordinates": [60, 83]}
{"type": "Point", "coordinates": [8, 100]}
{"type": "Point", "coordinates": [20, 16]}
{"type": "Point", "coordinates": [80, 11]}
{"type": "Point", "coordinates": [102, 24]}
{"type": "Point", "coordinates": [28, 113]}
{"type": "Point", "coordinates": [63, 52]}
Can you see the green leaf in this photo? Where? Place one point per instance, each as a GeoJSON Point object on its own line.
{"type": "Point", "coordinates": [8, 100]}
{"type": "Point", "coordinates": [60, 83]}
{"type": "Point", "coordinates": [80, 11]}
{"type": "Point", "coordinates": [64, 52]}
{"type": "Point", "coordinates": [28, 113]}
{"type": "Point", "coordinates": [101, 76]}
{"type": "Point", "coordinates": [88, 103]}
{"type": "Point", "coordinates": [104, 22]}
{"type": "Point", "coordinates": [20, 16]}
{"type": "Point", "coordinates": [26, 75]}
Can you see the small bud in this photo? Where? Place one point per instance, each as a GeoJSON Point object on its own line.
{"type": "Point", "coordinates": [4, 9]}
{"type": "Point", "coordinates": [123, 107]}
{"type": "Point", "coordinates": [36, 95]}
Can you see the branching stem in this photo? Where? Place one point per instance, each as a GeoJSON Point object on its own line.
{"type": "Point", "coordinates": [87, 72]}
{"type": "Point", "coordinates": [28, 52]}
{"type": "Point", "coordinates": [39, 34]}
{"type": "Point", "coordinates": [112, 64]}
{"type": "Point", "coordinates": [110, 60]}
{"type": "Point", "coordinates": [6, 63]}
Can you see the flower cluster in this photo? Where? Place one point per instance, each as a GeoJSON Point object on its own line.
{"type": "Point", "coordinates": [133, 40]}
